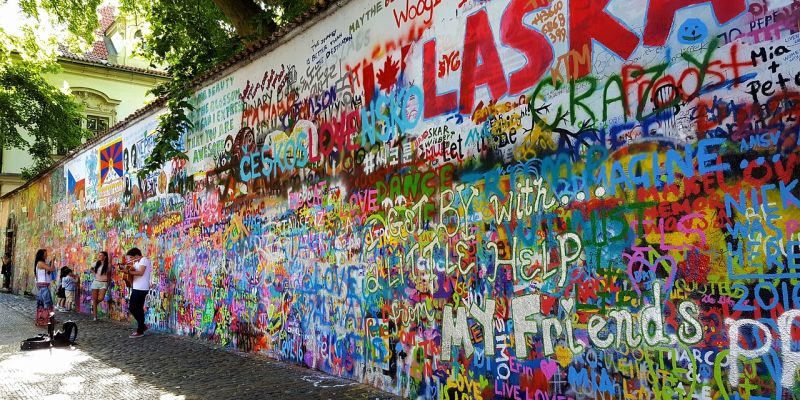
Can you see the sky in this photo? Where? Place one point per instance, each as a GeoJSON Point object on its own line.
{"type": "Point", "coordinates": [11, 17]}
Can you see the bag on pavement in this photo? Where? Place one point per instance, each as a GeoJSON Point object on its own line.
{"type": "Point", "coordinates": [67, 336]}
{"type": "Point", "coordinates": [43, 315]}
{"type": "Point", "coordinates": [41, 341]}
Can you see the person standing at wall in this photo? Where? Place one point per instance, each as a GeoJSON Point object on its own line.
{"type": "Point", "coordinates": [60, 294]}
{"type": "Point", "coordinates": [100, 282]}
{"type": "Point", "coordinates": [44, 299]}
{"type": "Point", "coordinates": [69, 283]}
{"type": "Point", "coordinates": [6, 272]}
{"type": "Point", "coordinates": [140, 268]}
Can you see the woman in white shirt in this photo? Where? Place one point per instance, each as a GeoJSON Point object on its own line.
{"type": "Point", "coordinates": [42, 271]}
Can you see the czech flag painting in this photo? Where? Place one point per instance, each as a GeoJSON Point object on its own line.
{"type": "Point", "coordinates": [74, 186]}
{"type": "Point", "coordinates": [111, 161]}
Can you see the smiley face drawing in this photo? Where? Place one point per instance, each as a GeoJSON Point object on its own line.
{"type": "Point", "coordinates": [693, 31]}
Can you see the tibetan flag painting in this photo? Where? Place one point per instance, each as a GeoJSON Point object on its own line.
{"type": "Point", "coordinates": [111, 161]}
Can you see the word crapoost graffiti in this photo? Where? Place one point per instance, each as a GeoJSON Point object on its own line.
{"type": "Point", "coordinates": [463, 199]}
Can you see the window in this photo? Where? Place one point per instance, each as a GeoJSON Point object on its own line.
{"type": "Point", "coordinates": [101, 111]}
{"type": "Point", "coordinates": [138, 40]}
{"type": "Point", "coordinates": [96, 124]}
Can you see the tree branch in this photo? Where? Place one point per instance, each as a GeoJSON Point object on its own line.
{"type": "Point", "coordinates": [242, 14]}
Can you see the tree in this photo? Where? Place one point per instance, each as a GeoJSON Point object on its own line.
{"type": "Point", "coordinates": [190, 36]}
{"type": "Point", "coordinates": [29, 104]}
{"type": "Point", "coordinates": [49, 115]}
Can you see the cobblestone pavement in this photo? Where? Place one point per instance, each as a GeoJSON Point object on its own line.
{"type": "Point", "coordinates": [107, 364]}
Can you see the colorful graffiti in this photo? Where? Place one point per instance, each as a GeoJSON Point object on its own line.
{"type": "Point", "coordinates": [464, 199]}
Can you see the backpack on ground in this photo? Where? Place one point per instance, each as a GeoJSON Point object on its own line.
{"type": "Point", "coordinates": [67, 336]}
{"type": "Point", "coordinates": [63, 338]}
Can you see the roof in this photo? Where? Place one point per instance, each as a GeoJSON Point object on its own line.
{"type": "Point", "coordinates": [107, 18]}
{"type": "Point", "coordinates": [98, 54]}
{"type": "Point", "coordinates": [93, 60]}
{"type": "Point", "coordinates": [317, 11]}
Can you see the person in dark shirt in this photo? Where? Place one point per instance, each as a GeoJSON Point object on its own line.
{"type": "Point", "coordinates": [6, 272]}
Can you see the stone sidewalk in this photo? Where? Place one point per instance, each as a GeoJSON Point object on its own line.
{"type": "Point", "coordinates": [108, 364]}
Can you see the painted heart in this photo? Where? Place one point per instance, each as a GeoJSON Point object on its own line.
{"type": "Point", "coordinates": [549, 368]}
{"type": "Point", "coordinates": [641, 259]}
{"type": "Point", "coordinates": [563, 355]}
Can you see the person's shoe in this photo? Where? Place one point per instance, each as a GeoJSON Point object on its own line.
{"type": "Point", "coordinates": [94, 319]}
{"type": "Point", "coordinates": [146, 328]}
{"type": "Point", "coordinates": [135, 335]}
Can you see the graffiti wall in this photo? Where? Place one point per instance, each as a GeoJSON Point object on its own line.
{"type": "Point", "coordinates": [467, 199]}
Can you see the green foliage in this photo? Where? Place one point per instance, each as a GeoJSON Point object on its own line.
{"type": "Point", "coordinates": [35, 115]}
{"type": "Point", "coordinates": [291, 9]}
{"type": "Point", "coordinates": [189, 37]}
{"type": "Point", "coordinates": [79, 16]}
{"type": "Point", "coordinates": [50, 117]}
{"type": "Point", "coordinates": [171, 128]}
{"type": "Point", "coordinates": [192, 37]}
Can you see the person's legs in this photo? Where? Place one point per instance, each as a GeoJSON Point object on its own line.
{"type": "Point", "coordinates": [101, 296]}
{"type": "Point", "coordinates": [39, 297]}
{"type": "Point", "coordinates": [70, 301]}
{"type": "Point", "coordinates": [60, 298]}
{"type": "Point", "coordinates": [45, 298]}
{"type": "Point", "coordinates": [94, 303]}
{"type": "Point", "coordinates": [136, 308]}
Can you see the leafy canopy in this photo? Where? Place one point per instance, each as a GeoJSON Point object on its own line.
{"type": "Point", "coordinates": [189, 36]}
{"type": "Point", "coordinates": [49, 115]}
{"type": "Point", "coordinates": [29, 104]}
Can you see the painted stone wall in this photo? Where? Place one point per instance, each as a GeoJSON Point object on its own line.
{"type": "Point", "coordinates": [456, 199]}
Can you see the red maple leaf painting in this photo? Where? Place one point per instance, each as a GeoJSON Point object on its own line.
{"type": "Point", "coordinates": [388, 75]}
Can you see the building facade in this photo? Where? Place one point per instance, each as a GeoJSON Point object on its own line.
{"type": "Point", "coordinates": [110, 80]}
{"type": "Point", "coordinates": [454, 199]}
